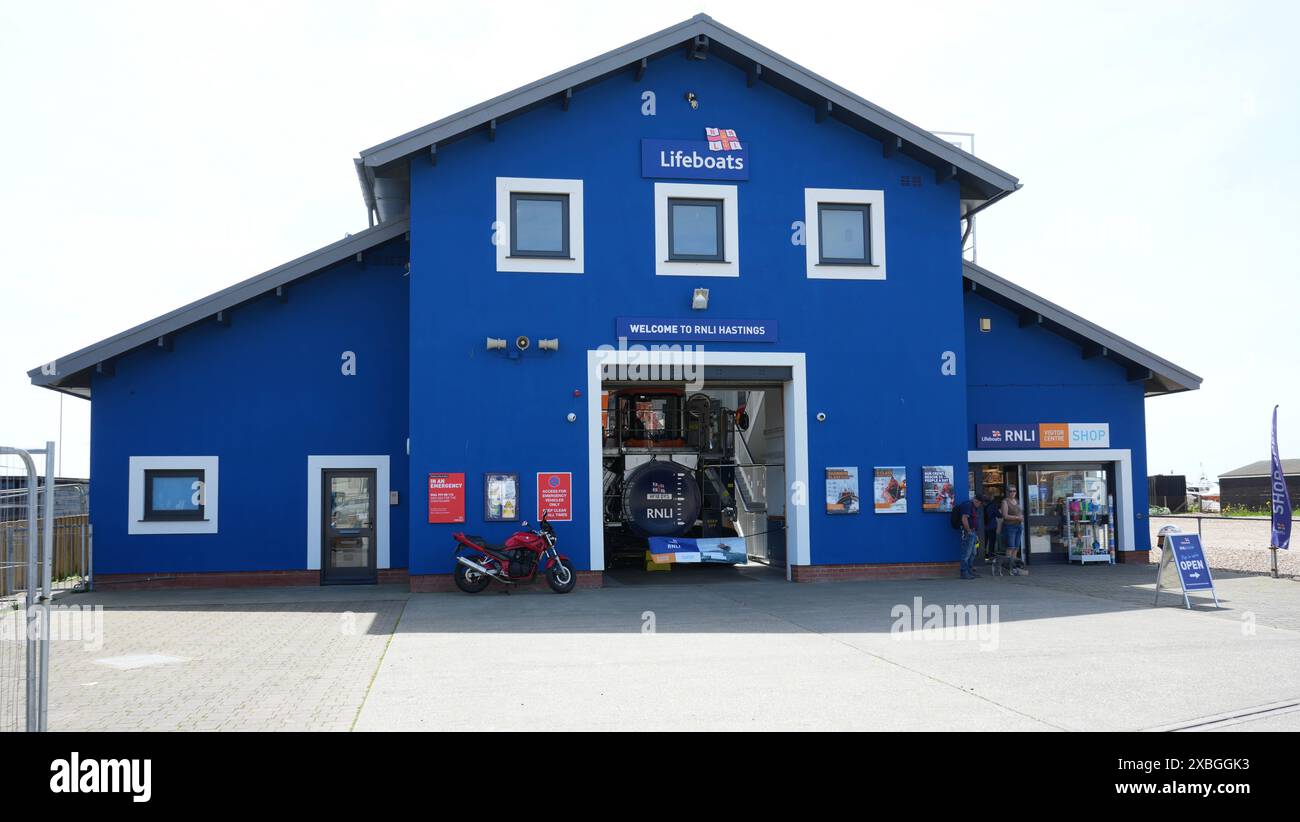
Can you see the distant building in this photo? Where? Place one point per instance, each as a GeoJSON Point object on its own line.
{"type": "Point", "coordinates": [1168, 491]}
{"type": "Point", "coordinates": [1248, 485]}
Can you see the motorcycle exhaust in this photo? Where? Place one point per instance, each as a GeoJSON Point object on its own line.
{"type": "Point", "coordinates": [474, 566]}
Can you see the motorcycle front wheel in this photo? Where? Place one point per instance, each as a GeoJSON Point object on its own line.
{"type": "Point", "coordinates": [561, 576]}
{"type": "Point", "coordinates": [469, 580]}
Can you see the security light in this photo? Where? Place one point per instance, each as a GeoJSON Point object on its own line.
{"type": "Point", "coordinates": [700, 299]}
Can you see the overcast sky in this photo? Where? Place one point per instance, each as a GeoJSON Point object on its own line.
{"type": "Point", "coordinates": [159, 152]}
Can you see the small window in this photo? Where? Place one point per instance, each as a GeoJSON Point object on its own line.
{"type": "Point", "coordinates": [173, 495]}
{"type": "Point", "coordinates": [695, 230]}
{"type": "Point", "coordinates": [539, 225]}
{"type": "Point", "coordinates": [845, 233]}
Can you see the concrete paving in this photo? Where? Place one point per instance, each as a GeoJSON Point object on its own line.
{"type": "Point", "coordinates": [774, 655]}
{"type": "Point", "coordinates": [1067, 648]}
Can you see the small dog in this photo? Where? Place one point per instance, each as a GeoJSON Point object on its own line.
{"type": "Point", "coordinates": [1004, 562]}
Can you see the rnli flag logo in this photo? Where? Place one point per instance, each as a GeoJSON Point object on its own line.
{"type": "Point", "coordinates": [722, 139]}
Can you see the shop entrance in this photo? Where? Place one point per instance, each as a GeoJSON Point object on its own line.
{"type": "Point", "coordinates": [1070, 510]}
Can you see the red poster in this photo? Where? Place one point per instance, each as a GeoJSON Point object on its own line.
{"type": "Point", "coordinates": [446, 498]}
{"type": "Point", "coordinates": [555, 495]}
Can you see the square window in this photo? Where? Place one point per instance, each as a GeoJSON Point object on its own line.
{"type": "Point", "coordinates": [173, 495]}
{"type": "Point", "coordinates": [539, 225]}
{"type": "Point", "coordinates": [845, 233]}
{"type": "Point", "coordinates": [695, 230]}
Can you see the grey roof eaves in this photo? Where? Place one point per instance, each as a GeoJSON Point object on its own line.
{"type": "Point", "coordinates": [1262, 468]}
{"type": "Point", "coordinates": [64, 368]}
{"type": "Point", "coordinates": [1166, 378]}
{"type": "Point", "coordinates": [422, 138]}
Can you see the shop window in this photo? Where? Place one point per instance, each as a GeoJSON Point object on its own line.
{"type": "Point", "coordinates": [696, 228]}
{"type": "Point", "coordinates": [539, 225]}
{"type": "Point", "coordinates": [844, 233]}
{"type": "Point", "coordinates": [173, 495]}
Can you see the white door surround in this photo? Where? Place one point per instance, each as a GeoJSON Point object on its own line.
{"type": "Point", "coordinates": [1122, 457]}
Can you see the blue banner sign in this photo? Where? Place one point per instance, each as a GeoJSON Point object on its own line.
{"type": "Point", "coordinates": [692, 160]}
{"type": "Point", "coordinates": [1193, 570]}
{"type": "Point", "coordinates": [692, 329]}
{"type": "Point", "coordinates": [694, 549]}
{"type": "Point", "coordinates": [1281, 498]}
{"type": "Point", "coordinates": [1006, 436]}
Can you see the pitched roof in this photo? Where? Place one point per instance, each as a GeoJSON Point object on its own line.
{"type": "Point", "coordinates": [980, 181]}
{"type": "Point", "coordinates": [1262, 468]}
{"type": "Point", "coordinates": [71, 374]}
{"type": "Point", "coordinates": [1159, 375]}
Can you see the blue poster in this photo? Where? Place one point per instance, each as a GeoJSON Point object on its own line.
{"type": "Point", "coordinates": [692, 160]}
{"type": "Point", "coordinates": [1193, 570]}
{"type": "Point", "coordinates": [691, 329]}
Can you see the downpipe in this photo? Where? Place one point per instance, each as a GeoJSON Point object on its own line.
{"type": "Point", "coordinates": [474, 566]}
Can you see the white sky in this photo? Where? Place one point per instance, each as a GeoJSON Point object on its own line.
{"type": "Point", "coordinates": [159, 152]}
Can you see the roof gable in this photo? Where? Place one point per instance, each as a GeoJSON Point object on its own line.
{"type": "Point", "coordinates": [701, 37]}
{"type": "Point", "coordinates": [71, 374]}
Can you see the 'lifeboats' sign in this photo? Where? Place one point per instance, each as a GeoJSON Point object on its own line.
{"type": "Point", "coordinates": [692, 160]}
{"type": "Point", "coordinates": [695, 330]}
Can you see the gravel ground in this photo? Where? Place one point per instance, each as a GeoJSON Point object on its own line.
{"type": "Point", "coordinates": [1238, 543]}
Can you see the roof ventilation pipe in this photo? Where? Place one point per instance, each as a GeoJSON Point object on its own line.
{"type": "Point", "coordinates": [392, 198]}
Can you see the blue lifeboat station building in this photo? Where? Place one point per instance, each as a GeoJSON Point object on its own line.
{"type": "Point", "coordinates": [689, 299]}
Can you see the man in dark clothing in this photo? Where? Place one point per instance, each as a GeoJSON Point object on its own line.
{"type": "Point", "coordinates": [992, 523]}
{"type": "Point", "coordinates": [971, 524]}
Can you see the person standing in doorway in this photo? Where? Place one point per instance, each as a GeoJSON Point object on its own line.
{"type": "Point", "coordinates": [971, 523]}
{"type": "Point", "coordinates": [1013, 528]}
{"type": "Point", "coordinates": [992, 522]}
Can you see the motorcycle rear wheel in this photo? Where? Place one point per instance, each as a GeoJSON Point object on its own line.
{"type": "Point", "coordinates": [561, 576]}
{"type": "Point", "coordinates": [469, 580]}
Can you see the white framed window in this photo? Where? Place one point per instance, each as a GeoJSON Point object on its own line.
{"type": "Point", "coordinates": [844, 233]}
{"type": "Point", "coordinates": [172, 495]}
{"type": "Point", "coordinates": [697, 230]}
{"type": "Point", "coordinates": [539, 225]}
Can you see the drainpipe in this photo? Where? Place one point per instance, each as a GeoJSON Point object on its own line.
{"type": "Point", "coordinates": [367, 189]}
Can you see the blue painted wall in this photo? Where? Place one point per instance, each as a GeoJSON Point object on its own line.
{"type": "Point", "coordinates": [873, 347]}
{"type": "Point", "coordinates": [1031, 375]}
{"type": "Point", "coordinates": [262, 395]}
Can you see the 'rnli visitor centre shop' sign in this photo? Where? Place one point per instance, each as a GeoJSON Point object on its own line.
{"type": "Point", "coordinates": [1043, 435]}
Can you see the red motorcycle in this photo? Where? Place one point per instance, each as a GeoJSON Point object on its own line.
{"type": "Point", "coordinates": [518, 561]}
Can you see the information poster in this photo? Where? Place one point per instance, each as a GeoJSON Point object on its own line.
{"type": "Point", "coordinates": [501, 497]}
{"type": "Point", "coordinates": [555, 496]}
{"type": "Point", "coordinates": [890, 491]}
{"type": "Point", "coordinates": [842, 490]}
{"type": "Point", "coordinates": [446, 498]}
{"type": "Point", "coordinates": [937, 488]}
